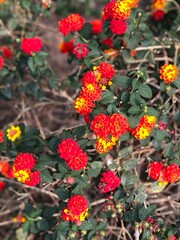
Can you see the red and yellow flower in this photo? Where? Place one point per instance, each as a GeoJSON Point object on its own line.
{"type": "Point", "coordinates": [13, 133]}
{"type": "Point", "coordinates": [168, 73]}
{"type": "Point", "coordinates": [22, 169]}
{"type": "Point", "coordinates": [144, 127]}
{"type": "Point", "coordinates": [76, 209]}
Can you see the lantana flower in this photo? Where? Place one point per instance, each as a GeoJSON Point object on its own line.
{"type": "Point", "coordinates": [13, 133]}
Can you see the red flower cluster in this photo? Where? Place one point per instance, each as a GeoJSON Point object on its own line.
{"type": "Point", "coordinates": [1, 185]}
{"type": "Point", "coordinates": [76, 210]}
{"type": "Point", "coordinates": [161, 173]}
{"type": "Point", "coordinates": [80, 50]}
{"type": "Point", "coordinates": [1, 136]}
{"type": "Point", "coordinates": [67, 47]}
{"type": "Point", "coordinates": [158, 9]}
{"type": "Point", "coordinates": [117, 12]}
{"type": "Point", "coordinates": [22, 169]}
{"type": "Point", "coordinates": [1, 62]}
{"type": "Point", "coordinates": [31, 45]}
{"type": "Point", "coordinates": [118, 26]}
{"type": "Point", "coordinates": [108, 182]}
{"type": "Point", "coordinates": [96, 26]}
{"type": "Point", "coordinates": [6, 51]}
{"type": "Point", "coordinates": [144, 127]}
{"type": "Point", "coordinates": [6, 169]}
{"type": "Point", "coordinates": [72, 23]}
{"type": "Point", "coordinates": [73, 155]}
{"type": "Point", "coordinates": [108, 129]}
{"type": "Point", "coordinates": [154, 170]}
{"type": "Point", "coordinates": [171, 173]}
{"type": "Point", "coordinates": [93, 82]}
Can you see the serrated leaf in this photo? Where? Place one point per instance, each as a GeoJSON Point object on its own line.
{"type": "Point", "coordinates": [134, 120]}
{"type": "Point", "coordinates": [111, 109]}
{"type": "Point", "coordinates": [63, 193]}
{"type": "Point", "coordinates": [96, 167]}
{"type": "Point", "coordinates": [141, 197]}
{"type": "Point", "coordinates": [124, 137]}
{"type": "Point", "coordinates": [135, 99]}
{"type": "Point", "coordinates": [122, 81]}
{"type": "Point", "coordinates": [86, 225]}
{"type": "Point", "coordinates": [44, 160]}
{"type": "Point", "coordinates": [128, 180]}
{"type": "Point", "coordinates": [53, 144]}
{"type": "Point", "coordinates": [82, 181]}
{"type": "Point", "coordinates": [107, 97]}
{"type": "Point", "coordinates": [125, 97]}
{"type": "Point", "coordinates": [152, 112]}
{"type": "Point", "coordinates": [82, 143]}
{"type": "Point", "coordinates": [79, 131]}
{"type": "Point", "coordinates": [158, 187]}
{"type": "Point", "coordinates": [46, 176]}
{"type": "Point", "coordinates": [125, 152]}
{"type": "Point", "coordinates": [130, 164]}
{"type": "Point", "coordinates": [134, 109]}
{"type": "Point", "coordinates": [167, 150]}
{"type": "Point", "coordinates": [146, 212]}
{"type": "Point", "coordinates": [78, 190]}
{"type": "Point", "coordinates": [31, 64]}
{"type": "Point", "coordinates": [145, 91]}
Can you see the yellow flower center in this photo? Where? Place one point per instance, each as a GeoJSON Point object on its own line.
{"type": "Point", "coordinates": [22, 175]}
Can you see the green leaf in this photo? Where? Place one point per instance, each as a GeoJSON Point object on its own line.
{"type": "Point", "coordinates": [125, 97]}
{"type": "Point", "coordinates": [145, 91]}
{"type": "Point", "coordinates": [128, 180]}
{"type": "Point", "coordinates": [107, 97]}
{"type": "Point", "coordinates": [86, 225]}
{"type": "Point", "coordinates": [86, 30]}
{"type": "Point", "coordinates": [63, 193]}
{"type": "Point", "coordinates": [43, 225]}
{"type": "Point", "coordinates": [130, 164]}
{"type": "Point", "coordinates": [135, 99]}
{"type": "Point", "coordinates": [31, 64]}
{"type": "Point", "coordinates": [62, 229]}
{"type": "Point", "coordinates": [124, 137]}
{"type": "Point", "coordinates": [6, 91]}
{"type": "Point", "coordinates": [82, 181]}
{"type": "Point", "coordinates": [146, 234]}
{"type": "Point", "coordinates": [167, 150]}
{"type": "Point", "coordinates": [111, 109]}
{"type": "Point", "coordinates": [96, 167]}
{"type": "Point", "coordinates": [134, 120]}
{"type": "Point", "coordinates": [83, 143]}
{"type": "Point", "coordinates": [66, 134]}
{"type": "Point", "coordinates": [44, 160]}
{"type": "Point", "coordinates": [152, 112]}
{"type": "Point", "coordinates": [63, 167]}
{"type": "Point", "coordinates": [135, 83]}
{"type": "Point", "coordinates": [122, 81]}
{"type": "Point", "coordinates": [79, 131]}
{"type": "Point", "coordinates": [177, 83]}
{"type": "Point", "coordinates": [158, 187]}
{"type": "Point", "coordinates": [53, 144]}
{"type": "Point", "coordinates": [46, 176]}
{"type": "Point", "coordinates": [141, 197]}
{"type": "Point", "coordinates": [134, 109]}
{"type": "Point", "coordinates": [78, 190]}
{"type": "Point", "coordinates": [125, 152]}
{"type": "Point", "coordinates": [146, 212]}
